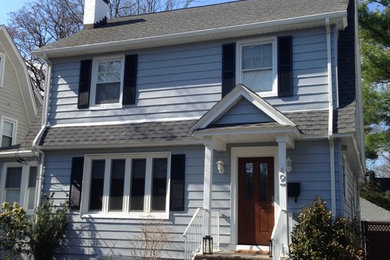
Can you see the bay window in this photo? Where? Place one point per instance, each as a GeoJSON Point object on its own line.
{"type": "Point", "coordinates": [126, 185]}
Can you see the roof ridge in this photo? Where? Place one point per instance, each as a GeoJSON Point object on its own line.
{"type": "Point", "coordinates": [176, 10]}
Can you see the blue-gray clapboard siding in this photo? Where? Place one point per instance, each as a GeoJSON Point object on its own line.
{"type": "Point", "coordinates": [102, 237]}
{"type": "Point", "coordinates": [242, 113]}
{"type": "Point", "coordinates": [350, 193]}
{"type": "Point", "coordinates": [311, 168]}
{"type": "Point", "coordinates": [185, 81]}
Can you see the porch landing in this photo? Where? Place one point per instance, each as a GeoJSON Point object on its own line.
{"type": "Point", "coordinates": [235, 255]}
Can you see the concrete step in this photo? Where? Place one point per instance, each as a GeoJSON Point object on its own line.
{"type": "Point", "coordinates": [235, 255]}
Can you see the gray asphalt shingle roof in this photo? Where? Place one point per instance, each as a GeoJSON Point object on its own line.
{"type": "Point", "coordinates": [371, 212]}
{"type": "Point", "coordinates": [199, 19]}
{"type": "Point", "coordinates": [123, 134]}
{"type": "Point", "coordinates": [150, 133]}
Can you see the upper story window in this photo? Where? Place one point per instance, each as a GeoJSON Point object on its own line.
{"type": "Point", "coordinates": [107, 83]}
{"type": "Point", "coordinates": [257, 66]}
{"type": "Point", "coordinates": [8, 132]}
{"type": "Point", "coordinates": [135, 185]}
{"type": "Point", "coordinates": [2, 67]}
{"type": "Point", "coordinates": [18, 185]}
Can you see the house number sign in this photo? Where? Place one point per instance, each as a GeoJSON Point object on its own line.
{"type": "Point", "coordinates": [282, 176]}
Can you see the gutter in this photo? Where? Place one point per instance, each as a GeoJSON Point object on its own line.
{"type": "Point", "coordinates": [44, 124]}
{"type": "Point", "coordinates": [26, 153]}
{"type": "Point", "coordinates": [212, 33]}
{"type": "Point", "coordinates": [117, 146]}
{"type": "Point", "coordinates": [330, 119]}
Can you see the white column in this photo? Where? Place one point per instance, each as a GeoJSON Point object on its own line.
{"type": "Point", "coordinates": [282, 156]}
{"type": "Point", "coordinates": [207, 186]}
{"type": "Point", "coordinates": [282, 175]}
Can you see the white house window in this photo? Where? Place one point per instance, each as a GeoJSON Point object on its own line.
{"type": "Point", "coordinates": [13, 182]}
{"type": "Point", "coordinates": [32, 177]}
{"type": "Point", "coordinates": [18, 185]}
{"type": "Point", "coordinates": [107, 85]}
{"type": "Point", "coordinates": [131, 185]}
{"type": "Point", "coordinates": [8, 132]}
{"type": "Point", "coordinates": [2, 66]}
{"type": "Point", "coordinates": [257, 66]}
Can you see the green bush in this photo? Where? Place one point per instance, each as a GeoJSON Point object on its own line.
{"type": "Point", "coordinates": [318, 235]}
{"type": "Point", "coordinates": [38, 236]}
{"type": "Point", "coordinates": [14, 225]}
{"type": "Point", "coordinates": [48, 229]}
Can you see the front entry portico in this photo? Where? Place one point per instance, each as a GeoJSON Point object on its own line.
{"type": "Point", "coordinates": [260, 216]}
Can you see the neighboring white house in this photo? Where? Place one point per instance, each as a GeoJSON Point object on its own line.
{"type": "Point", "coordinates": [235, 115]}
{"type": "Point", "coordinates": [19, 106]}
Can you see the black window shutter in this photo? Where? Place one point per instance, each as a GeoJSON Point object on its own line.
{"type": "Point", "coordinates": [285, 88]}
{"type": "Point", "coordinates": [76, 179]}
{"type": "Point", "coordinates": [228, 67]}
{"type": "Point", "coordinates": [84, 83]}
{"type": "Point", "coordinates": [178, 166]}
{"type": "Point", "coordinates": [130, 79]}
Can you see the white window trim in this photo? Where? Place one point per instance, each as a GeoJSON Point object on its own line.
{"type": "Point", "coordinates": [23, 199]}
{"type": "Point", "coordinates": [259, 41]}
{"type": "Point", "coordinates": [94, 81]}
{"type": "Point", "coordinates": [125, 213]}
{"type": "Point", "coordinates": [2, 69]}
{"type": "Point", "coordinates": [14, 130]}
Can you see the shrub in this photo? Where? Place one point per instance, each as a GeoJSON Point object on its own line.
{"type": "Point", "coordinates": [48, 229]}
{"type": "Point", "coordinates": [318, 235]}
{"type": "Point", "coordinates": [13, 229]}
{"type": "Point", "coordinates": [151, 241]}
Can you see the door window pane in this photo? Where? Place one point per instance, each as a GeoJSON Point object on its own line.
{"type": "Point", "coordinates": [97, 185]}
{"type": "Point", "coordinates": [138, 168]}
{"type": "Point", "coordinates": [159, 183]}
{"type": "Point", "coordinates": [249, 180]}
{"type": "Point", "coordinates": [117, 182]}
{"type": "Point", "coordinates": [263, 181]}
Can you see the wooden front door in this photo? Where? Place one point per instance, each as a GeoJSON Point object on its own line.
{"type": "Point", "coordinates": [255, 200]}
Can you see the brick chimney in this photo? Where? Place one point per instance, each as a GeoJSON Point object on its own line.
{"type": "Point", "coordinates": [95, 13]}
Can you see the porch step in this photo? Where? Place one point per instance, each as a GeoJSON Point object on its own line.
{"type": "Point", "coordinates": [235, 255]}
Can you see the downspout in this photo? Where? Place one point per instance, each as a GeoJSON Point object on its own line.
{"type": "Point", "coordinates": [330, 119]}
{"type": "Point", "coordinates": [44, 124]}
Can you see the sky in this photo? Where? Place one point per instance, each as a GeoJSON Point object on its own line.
{"type": "Point", "coordinates": [14, 5]}
{"type": "Point", "coordinates": [10, 6]}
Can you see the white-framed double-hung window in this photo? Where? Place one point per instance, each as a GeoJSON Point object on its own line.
{"type": "Point", "coordinates": [257, 65]}
{"type": "Point", "coordinates": [107, 82]}
{"type": "Point", "coordinates": [18, 184]}
{"type": "Point", "coordinates": [8, 128]}
{"type": "Point", "coordinates": [126, 185]}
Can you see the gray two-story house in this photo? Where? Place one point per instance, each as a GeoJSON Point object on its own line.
{"type": "Point", "coordinates": [222, 120]}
